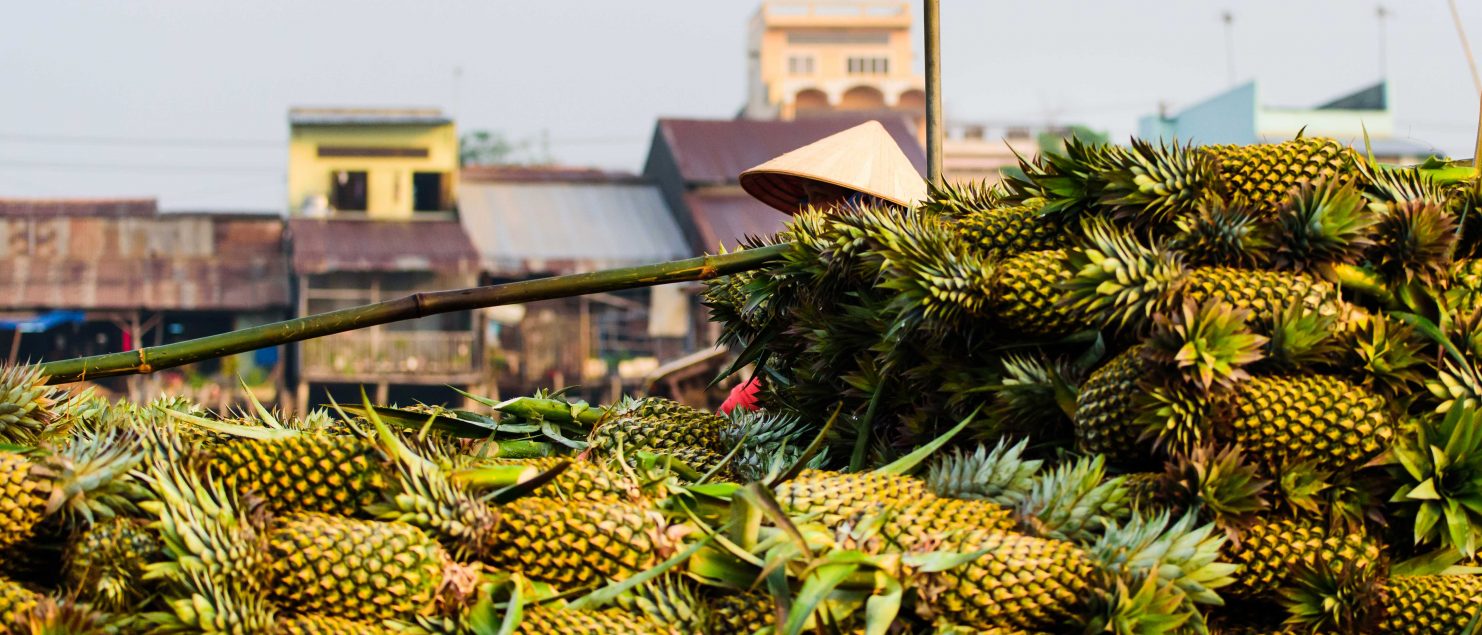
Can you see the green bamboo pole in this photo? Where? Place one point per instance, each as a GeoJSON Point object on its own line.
{"type": "Point", "coordinates": [150, 359]}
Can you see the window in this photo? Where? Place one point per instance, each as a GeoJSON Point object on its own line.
{"type": "Point", "coordinates": [869, 65]}
{"type": "Point", "coordinates": [427, 192]}
{"type": "Point", "coordinates": [347, 192]}
{"type": "Point", "coordinates": [800, 65]}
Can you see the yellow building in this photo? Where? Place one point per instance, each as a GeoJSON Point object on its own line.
{"type": "Point", "coordinates": [371, 162]}
{"type": "Point", "coordinates": [809, 57]}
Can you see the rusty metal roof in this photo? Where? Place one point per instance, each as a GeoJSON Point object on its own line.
{"type": "Point", "coordinates": [571, 226]}
{"type": "Point", "coordinates": [727, 216]}
{"type": "Point", "coordinates": [168, 262]}
{"type": "Point", "coordinates": [92, 207]}
{"type": "Point", "coordinates": [716, 151]}
{"type": "Point", "coordinates": [324, 246]}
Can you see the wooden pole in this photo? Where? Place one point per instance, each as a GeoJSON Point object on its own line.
{"type": "Point", "coordinates": [148, 360]}
{"type": "Point", "coordinates": [934, 133]}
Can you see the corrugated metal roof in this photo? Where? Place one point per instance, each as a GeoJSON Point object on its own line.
{"type": "Point", "coordinates": [727, 217]}
{"type": "Point", "coordinates": [714, 151]}
{"type": "Point", "coordinates": [568, 227]}
{"type": "Point", "coordinates": [94, 207]}
{"type": "Point", "coordinates": [543, 174]}
{"type": "Point", "coordinates": [159, 262]}
{"type": "Point", "coordinates": [367, 116]}
{"type": "Point", "coordinates": [324, 246]}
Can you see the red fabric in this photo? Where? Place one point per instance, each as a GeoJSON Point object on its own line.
{"type": "Point", "coordinates": [743, 396]}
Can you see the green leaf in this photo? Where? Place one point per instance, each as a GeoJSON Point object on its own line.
{"type": "Point", "coordinates": [409, 420]}
{"type": "Point", "coordinates": [882, 608]}
{"type": "Point", "coordinates": [1426, 490]}
{"type": "Point", "coordinates": [909, 462]}
{"type": "Point", "coordinates": [1426, 518]}
{"type": "Point", "coordinates": [512, 616]}
{"type": "Point", "coordinates": [524, 488]}
{"type": "Point", "coordinates": [817, 587]}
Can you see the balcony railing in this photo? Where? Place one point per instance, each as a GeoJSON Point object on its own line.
{"type": "Point", "coordinates": [430, 355]}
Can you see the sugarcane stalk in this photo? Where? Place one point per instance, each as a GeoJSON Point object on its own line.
{"type": "Point", "coordinates": [153, 358]}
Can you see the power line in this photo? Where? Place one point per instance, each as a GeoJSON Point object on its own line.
{"type": "Point", "coordinates": [177, 142]}
{"type": "Point", "coordinates": [124, 167]}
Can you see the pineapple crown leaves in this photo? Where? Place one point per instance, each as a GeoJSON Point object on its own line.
{"type": "Point", "coordinates": [1180, 554]}
{"type": "Point", "coordinates": [1413, 242]}
{"type": "Point", "coordinates": [1218, 484]}
{"type": "Point", "coordinates": [1225, 232]}
{"type": "Point", "coordinates": [1320, 223]}
{"type": "Point", "coordinates": [1151, 609]}
{"type": "Point", "coordinates": [201, 603]}
{"type": "Point", "coordinates": [1390, 356]}
{"type": "Point", "coordinates": [1074, 501]}
{"type": "Point", "coordinates": [961, 199]}
{"type": "Point", "coordinates": [1000, 475]}
{"type": "Point", "coordinates": [1388, 185]}
{"type": "Point", "coordinates": [1117, 280]}
{"type": "Point", "coordinates": [90, 472]}
{"type": "Point", "coordinates": [25, 403]}
{"type": "Point", "coordinates": [930, 268]}
{"type": "Point", "coordinates": [206, 531]}
{"type": "Point", "coordinates": [1300, 337]}
{"type": "Point", "coordinates": [1175, 416]}
{"type": "Point", "coordinates": [1441, 479]}
{"type": "Point", "coordinates": [1071, 183]}
{"type": "Point", "coordinates": [1155, 184]}
{"type": "Point", "coordinates": [1327, 599]}
{"type": "Point", "coordinates": [1207, 345]}
{"type": "Point", "coordinates": [1034, 393]}
{"type": "Point", "coordinates": [67, 616]}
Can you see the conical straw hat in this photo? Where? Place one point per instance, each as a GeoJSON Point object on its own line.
{"type": "Point", "coordinates": [862, 159]}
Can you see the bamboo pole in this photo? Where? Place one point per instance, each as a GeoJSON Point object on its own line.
{"type": "Point", "coordinates": [934, 132]}
{"type": "Point", "coordinates": [153, 358]}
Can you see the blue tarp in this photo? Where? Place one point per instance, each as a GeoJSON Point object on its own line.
{"type": "Point", "coordinates": [42, 322]}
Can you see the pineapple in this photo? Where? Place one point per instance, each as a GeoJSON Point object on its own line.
{"type": "Point", "coordinates": [1265, 173]}
{"type": "Point", "coordinates": [106, 564]}
{"type": "Point", "coordinates": [1330, 420]}
{"type": "Point", "coordinates": [581, 480]}
{"type": "Point", "coordinates": [742, 613]}
{"type": "Point", "coordinates": [998, 232]}
{"type": "Point", "coordinates": [27, 488]}
{"type": "Point", "coordinates": [15, 601]}
{"type": "Point", "coordinates": [1414, 242]}
{"type": "Point", "coordinates": [962, 199]}
{"type": "Point", "coordinates": [1025, 294]}
{"type": "Point", "coordinates": [25, 403]}
{"type": "Point", "coordinates": [1019, 581]}
{"type": "Point", "coordinates": [577, 543]}
{"type": "Point", "coordinates": [543, 620]}
{"type": "Point", "coordinates": [1222, 233]}
{"type": "Point", "coordinates": [1268, 550]}
{"type": "Point", "coordinates": [1429, 604]}
{"type": "Point", "coordinates": [1108, 407]}
{"type": "Point", "coordinates": [1320, 223]}
{"type": "Point", "coordinates": [304, 471]}
{"type": "Point", "coordinates": [75, 482]}
{"type": "Point", "coordinates": [834, 497]}
{"type": "Point", "coordinates": [658, 424]}
{"type": "Point", "coordinates": [999, 476]}
{"type": "Point", "coordinates": [354, 569]}
{"type": "Point", "coordinates": [313, 624]}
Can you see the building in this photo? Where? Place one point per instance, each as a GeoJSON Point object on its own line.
{"type": "Point", "coordinates": [696, 164]}
{"type": "Point", "coordinates": [1241, 116]}
{"type": "Point", "coordinates": [373, 200]}
{"type": "Point", "coordinates": [529, 222]}
{"type": "Point", "coordinates": [817, 57]}
{"type": "Point", "coordinates": [86, 277]}
{"type": "Point", "coordinates": [379, 163]}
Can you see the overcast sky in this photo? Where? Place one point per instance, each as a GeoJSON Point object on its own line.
{"type": "Point", "coordinates": [188, 101]}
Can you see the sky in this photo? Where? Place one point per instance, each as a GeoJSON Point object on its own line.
{"type": "Point", "coordinates": [188, 101]}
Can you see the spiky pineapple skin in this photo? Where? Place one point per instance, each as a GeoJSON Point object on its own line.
{"type": "Point", "coordinates": [543, 621]}
{"type": "Point", "coordinates": [1004, 231]}
{"type": "Point", "coordinates": [576, 543]}
{"type": "Point", "coordinates": [581, 480]}
{"type": "Point", "coordinates": [742, 613]}
{"type": "Point", "coordinates": [1268, 551]}
{"type": "Point", "coordinates": [1107, 409]}
{"type": "Point", "coordinates": [354, 569]}
{"type": "Point", "coordinates": [1026, 294]}
{"type": "Point", "coordinates": [25, 488]}
{"type": "Point", "coordinates": [326, 625]}
{"type": "Point", "coordinates": [1260, 292]}
{"type": "Point", "coordinates": [659, 424]}
{"type": "Point", "coordinates": [1020, 582]}
{"type": "Point", "coordinates": [304, 473]}
{"type": "Point", "coordinates": [836, 496]}
{"type": "Point", "coordinates": [106, 563]}
{"type": "Point", "coordinates": [1334, 422]}
{"type": "Point", "coordinates": [14, 601]}
{"type": "Point", "coordinates": [1430, 605]}
{"type": "Point", "coordinates": [1265, 173]}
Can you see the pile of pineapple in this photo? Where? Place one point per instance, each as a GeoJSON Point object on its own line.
{"type": "Point", "coordinates": [1146, 389]}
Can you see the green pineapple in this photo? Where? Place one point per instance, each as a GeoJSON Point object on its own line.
{"type": "Point", "coordinates": [26, 403]}
{"type": "Point", "coordinates": [1429, 604]}
{"type": "Point", "coordinates": [1108, 409]}
{"type": "Point", "coordinates": [1019, 581]}
{"type": "Point", "coordinates": [581, 480]}
{"type": "Point", "coordinates": [15, 601]}
{"type": "Point", "coordinates": [658, 424]}
{"type": "Point", "coordinates": [998, 232]}
{"type": "Point", "coordinates": [310, 472]}
{"type": "Point", "coordinates": [742, 613]}
{"type": "Point", "coordinates": [325, 625]}
{"type": "Point", "coordinates": [1326, 419]}
{"type": "Point", "coordinates": [1265, 173]}
{"type": "Point", "coordinates": [1269, 550]}
{"type": "Point", "coordinates": [576, 543]}
{"type": "Point", "coordinates": [106, 563]}
{"type": "Point", "coordinates": [542, 620]}
{"type": "Point", "coordinates": [74, 482]}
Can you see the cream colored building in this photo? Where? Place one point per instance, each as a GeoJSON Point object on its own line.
{"type": "Point", "coordinates": [384, 163]}
{"type": "Point", "coordinates": [809, 57]}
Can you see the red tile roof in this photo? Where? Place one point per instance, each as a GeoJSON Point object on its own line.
{"type": "Point", "coordinates": [715, 151]}
{"type": "Point", "coordinates": [727, 217]}
{"type": "Point", "coordinates": [94, 207]}
{"type": "Point", "coordinates": [323, 246]}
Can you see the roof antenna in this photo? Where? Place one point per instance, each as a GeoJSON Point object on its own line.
{"type": "Point", "coordinates": [1229, 19]}
{"type": "Point", "coordinates": [1383, 15]}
